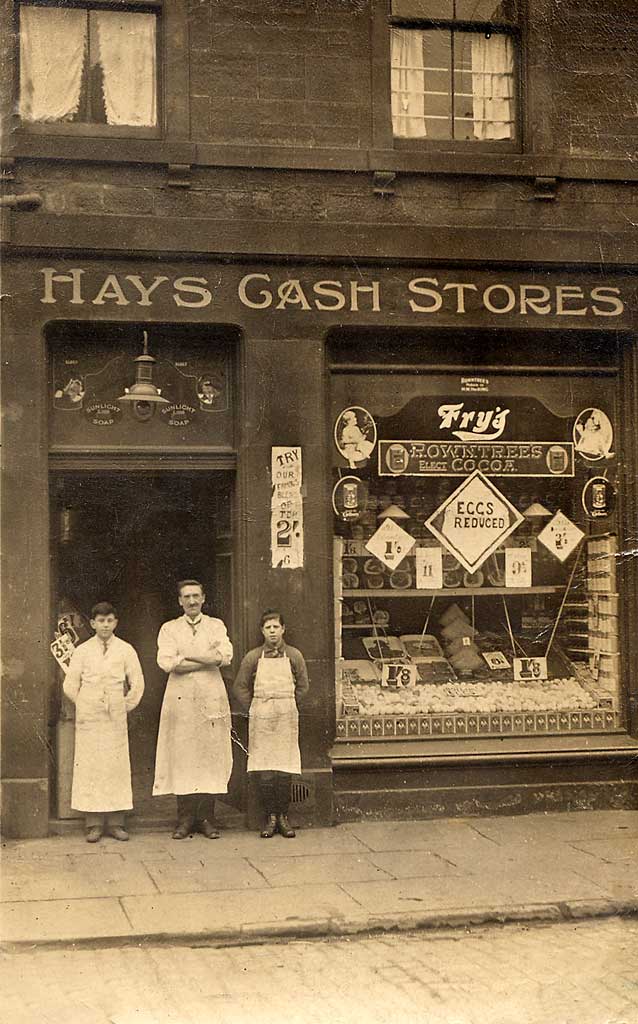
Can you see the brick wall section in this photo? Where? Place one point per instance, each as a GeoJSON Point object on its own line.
{"type": "Point", "coordinates": [281, 197]}
{"type": "Point", "coordinates": [281, 72]}
{"type": "Point", "coordinates": [592, 54]}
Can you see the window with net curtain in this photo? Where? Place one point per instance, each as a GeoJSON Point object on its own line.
{"type": "Point", "coordinates": [453, 69]}
{"type": "Point", "coordinates": [87, 66]}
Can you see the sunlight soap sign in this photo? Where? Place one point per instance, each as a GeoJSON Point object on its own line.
{"type": "Point", "coordinates": [286, 511]}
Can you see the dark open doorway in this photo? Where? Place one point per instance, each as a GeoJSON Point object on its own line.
{"type": "Point", "coordinates": [127, 537]}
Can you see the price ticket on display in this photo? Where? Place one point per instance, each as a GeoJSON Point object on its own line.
{"type": "Point", "coordinates": [496, 660]}
{"type": "Point", "coordinates": [429, 568]}
{"type": "Point", "coordinates": [561, 536]}
{"type": "Point", "coordinates": [390, 544]}
{"type": "Point", "coordinates": [394, 675]}
{"type": "Point", "coordinates": [518, 567]}
{"type": "Point", "coordinates": [62, 648]}
{"type": "Point", "coordinates": [527, 670]}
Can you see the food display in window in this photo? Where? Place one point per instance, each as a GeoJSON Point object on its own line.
{"type": "Point", "coordinates": [476, 599]}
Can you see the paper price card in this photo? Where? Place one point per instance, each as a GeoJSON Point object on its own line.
{"type": "Point", "coordinates": [496, 659]}
{"type": "Point", "coordinates": [429, 568]}
{"type": "Point", "coordinates": [526, 670]}
{"type": "Point", "coordinates": [390, 543]}
{"type": "Point", "coordinates": [395, 675]}
{"type": "Point", "coordinates": [518, 567]}
{"type": "Point", "coordinates": [62, 648]}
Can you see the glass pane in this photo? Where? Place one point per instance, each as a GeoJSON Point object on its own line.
{"type": "Point", "coordinates": [423, 9]}
{"type": "Point", "coordinates": [453, 622]}
{"type": "Point", "coordinates": [438, 59]}
{"type": "Point", "coordinates": [484, 85]}
{"type": "Point", "coordinates": [486, 10]}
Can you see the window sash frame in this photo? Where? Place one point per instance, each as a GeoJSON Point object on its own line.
{"type": "Point", "coordinates": [97, 129]}
{"type": "Point", "coordinates": [382, 126]}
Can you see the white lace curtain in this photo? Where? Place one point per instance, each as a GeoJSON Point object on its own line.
{"type": "Point", "coordinates": [492, 85]}
{"type": "Point", "coordinates": [53, 51]}
{"type": "Point", "coordinates": [52, 42]}
{"type": "Point", "coordinates": [408, 84]}
{"type": "Point", "coordinates": [127, 55]}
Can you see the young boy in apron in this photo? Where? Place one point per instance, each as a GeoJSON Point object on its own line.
{"type": "Point", "coordinates": [104, 680]}
{"type": "Point", "coordinates": [270, 685]}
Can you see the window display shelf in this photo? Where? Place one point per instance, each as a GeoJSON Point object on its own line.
{"type": "Point", "coordinates": [384, 592]}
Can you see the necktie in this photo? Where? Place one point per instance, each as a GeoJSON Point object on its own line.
{"type": "Point", "coordinates": [106, 646]}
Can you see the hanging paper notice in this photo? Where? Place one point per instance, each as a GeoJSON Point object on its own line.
{"type": "Point", "coordinates": [518, 567]}
{"type": "Point", "coordinates": [429, 568]}
{"type": "Point", "coordinates": [286, 518]}
{"type": "Point", "coordinates": [496, 660]}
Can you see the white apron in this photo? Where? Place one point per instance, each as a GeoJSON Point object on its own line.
{"type": "Point", "coordinates": [101, 765]}
{"type": "Point", "coordinates": [194, 752]}
{"type": "Point", "coordinates": [273, 720]}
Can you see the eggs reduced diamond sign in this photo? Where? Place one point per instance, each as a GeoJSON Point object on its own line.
{"type": "Point", "coordinates": [474, 520]}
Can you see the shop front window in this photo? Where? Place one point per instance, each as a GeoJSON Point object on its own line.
{"type": "Point", "coordinates": [475, 543]}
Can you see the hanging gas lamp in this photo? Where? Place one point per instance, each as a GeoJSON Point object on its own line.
{"type": "Point", "coordinates": [143, 394]}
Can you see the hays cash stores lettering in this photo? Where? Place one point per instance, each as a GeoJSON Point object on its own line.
{"type": "Point", "coordinates": [431, 471]}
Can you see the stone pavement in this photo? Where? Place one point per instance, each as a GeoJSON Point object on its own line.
{"type": "Point", "coordinates": [580, 972]}
{"type": "Point", "coordinates": [353, 878]}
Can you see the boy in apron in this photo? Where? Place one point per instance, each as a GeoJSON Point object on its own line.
{"type": "Point", "coordinates": [104, 680]}
{"type": "Point", "coordinates": [270, 685]}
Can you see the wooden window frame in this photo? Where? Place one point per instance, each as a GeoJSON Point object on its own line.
{"type": "Point", "coordinates": [173, 118]}
{"type": "Point", "coordinates": [382, 129]}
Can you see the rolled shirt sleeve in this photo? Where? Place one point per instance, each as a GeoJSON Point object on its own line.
{"type": "Point", "coordinates": [168, 656]}
{"type": "Point", "coordinates": [225, 646]}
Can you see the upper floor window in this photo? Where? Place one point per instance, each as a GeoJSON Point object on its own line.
{"type": "Point", "coordinates": [454, 69]}
{"type": "Point", "coordinates": [88, 66]}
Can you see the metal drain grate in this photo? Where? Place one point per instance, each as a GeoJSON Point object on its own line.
{"type": "Point", "coordinates": [302, 792]}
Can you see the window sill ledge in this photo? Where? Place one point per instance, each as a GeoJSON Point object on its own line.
{"type": "Point", "coordinates": [444, 163]}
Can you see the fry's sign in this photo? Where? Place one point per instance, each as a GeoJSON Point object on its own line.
{"type": "Point", "coordinates": [425, 296]}
{"type": "Point", "coordinates": [475, 424]}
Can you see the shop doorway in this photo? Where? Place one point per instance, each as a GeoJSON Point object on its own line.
{"type": "Point", "coordinates": [127, 537]}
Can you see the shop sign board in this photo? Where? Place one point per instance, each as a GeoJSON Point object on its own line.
{"type": "Point", "coordinates": [474, 520]}
{"type": "Point", "coordinates": [286, 521]}
{"type": "Point", "coordinates": [459, 458]}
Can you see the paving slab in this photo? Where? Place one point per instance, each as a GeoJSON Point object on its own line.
{"type": "Point", "coordinates": [313, 869]}
{"type": "Point", "coordinates": [83, 877]}
{"type": "Point", "coordinates": [60, 920]}
{"type": "Point", "coordinates": [465, 892]}
{"type": "Point", "coordinates": [623, 848]}
{"type": "Point", "coordinates": [415, 835]}
{"type": "Point", "coordinates": [567, 827]}
{"type": "Point", "coordinates": [208, 913]}
{"type": "Point", "coordinates": [415, 864]}
{"type": "Point", "coordinates": [204, 876]}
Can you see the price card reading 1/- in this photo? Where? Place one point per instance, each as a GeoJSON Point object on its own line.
{"type": "Point", "coordinates": [527, 670]}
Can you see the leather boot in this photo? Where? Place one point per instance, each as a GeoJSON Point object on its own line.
{"type": "Point", "coordinates": [184, 829]}
{"type": "Point", "coordinates": [270, 827]}
{"type": "Point", "coordinates": [284, 827]}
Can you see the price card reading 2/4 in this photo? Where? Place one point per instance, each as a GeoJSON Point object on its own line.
{"type": "Point", "coordinates": [527, 670]}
